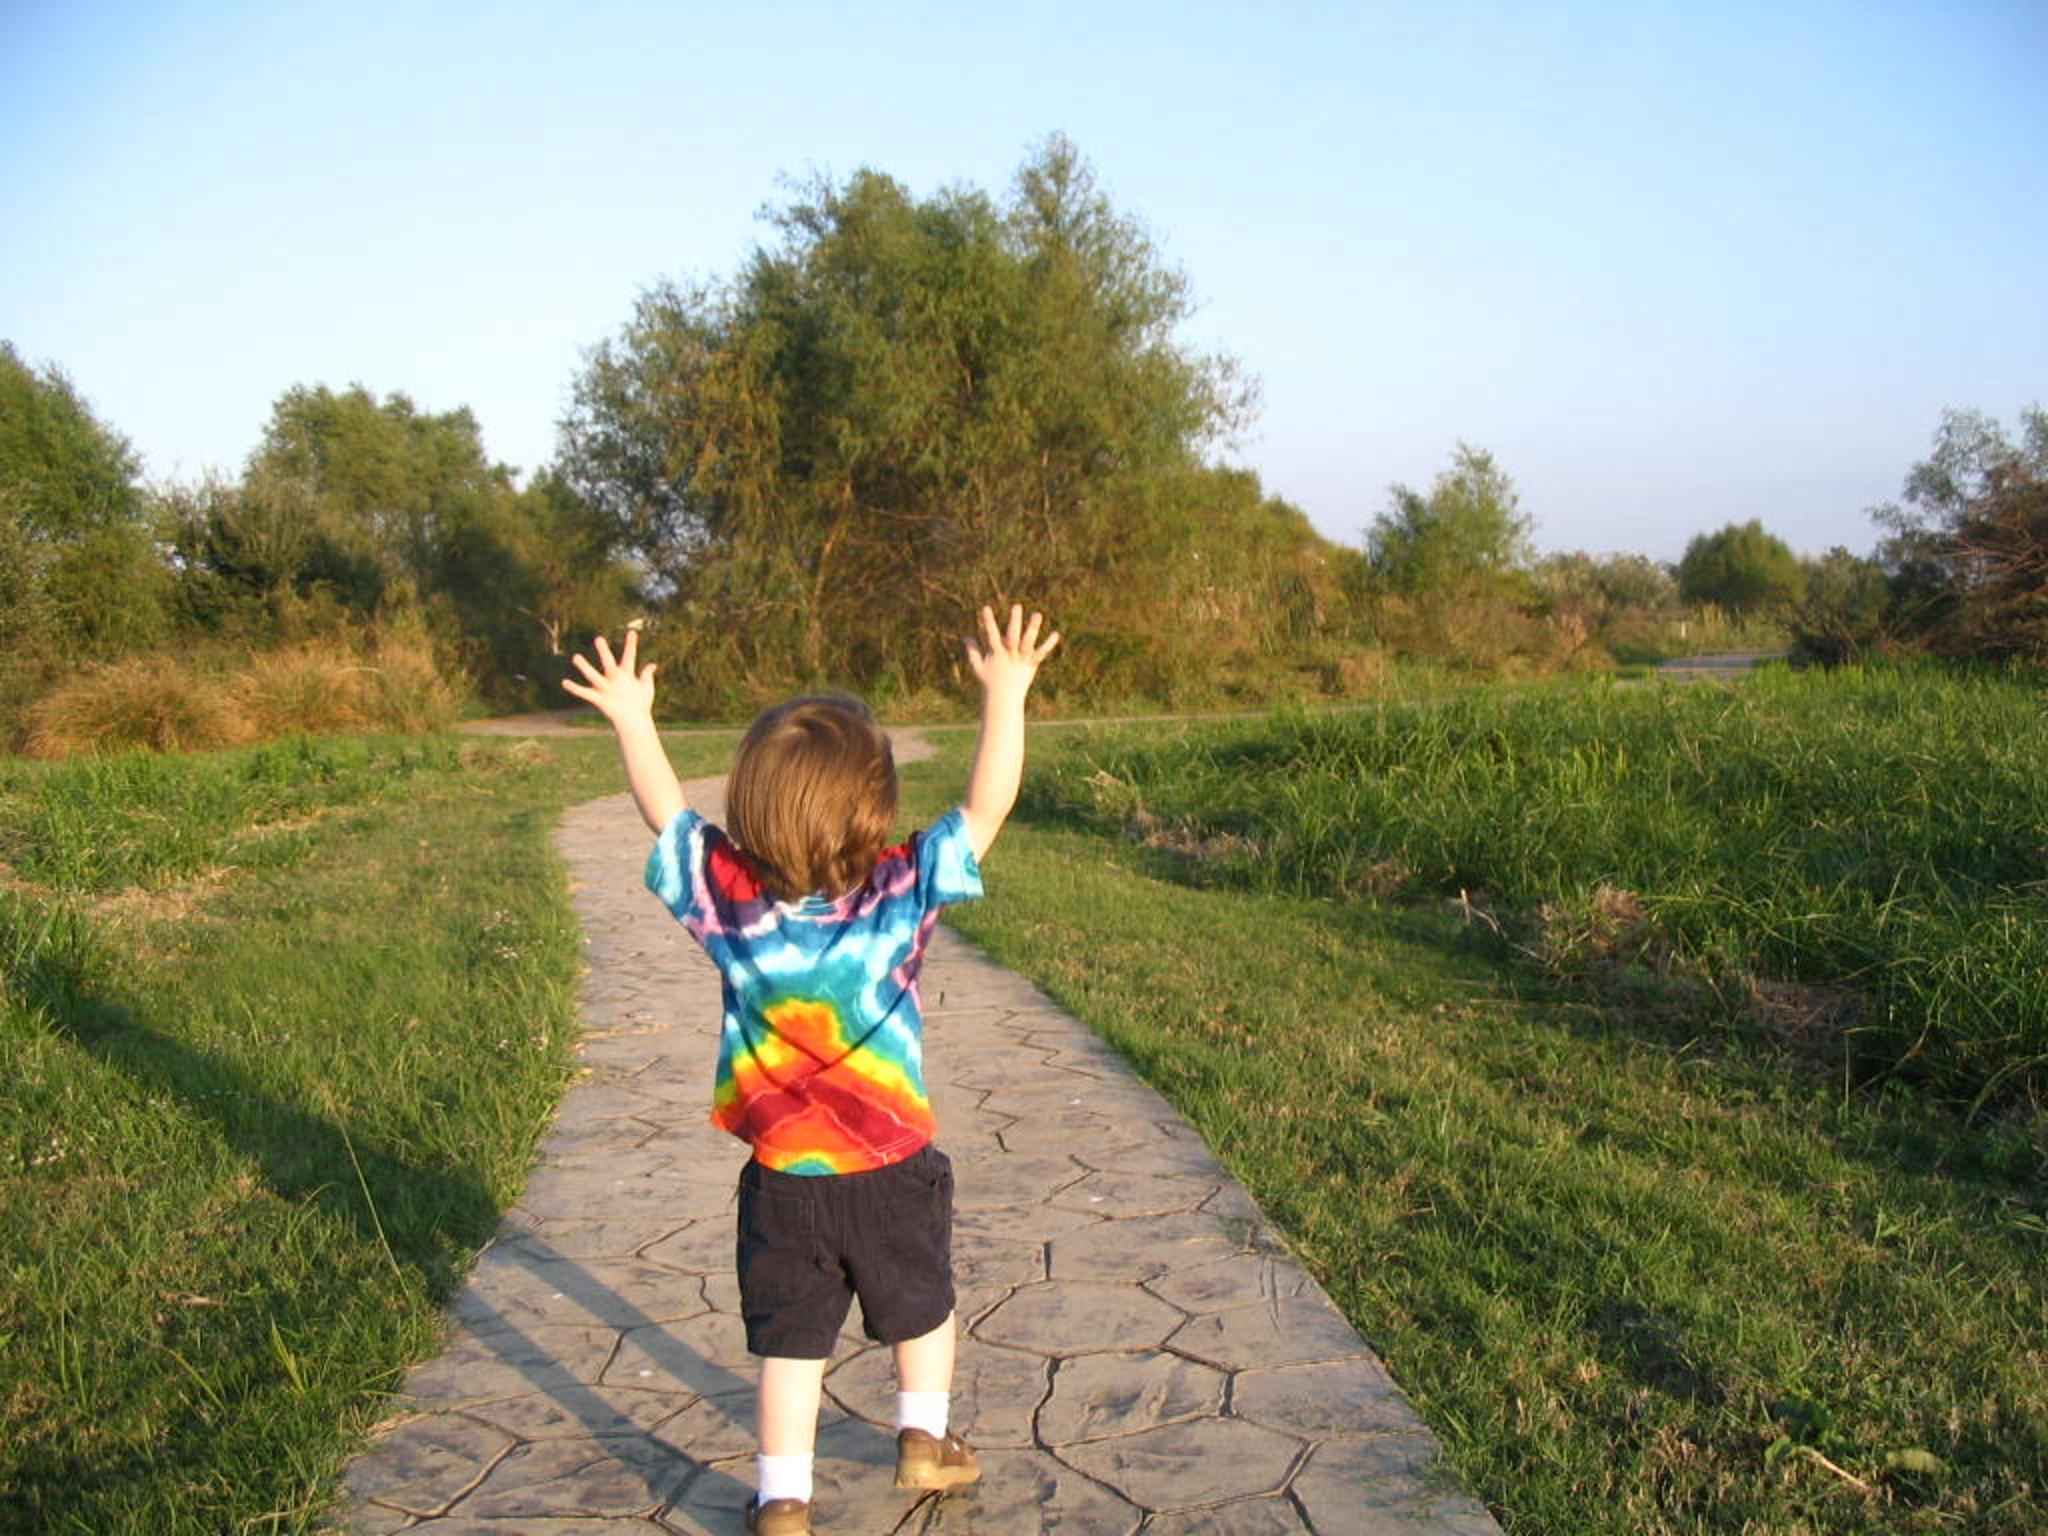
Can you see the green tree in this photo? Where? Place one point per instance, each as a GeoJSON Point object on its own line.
{"type": "Point", "coordinates": [900, 409]}
{"type": "Point", "coordinates": [1968, 552]}
{"type": "Point", "coordinates": [366, 491]}
{"type": "Point", "coordinates": [1843, 611]}
{"type": "Point", "coordinates": [1742, 568]}
{"type": "Point", "coordinates": [62, 470]}
{"type": "Point", "coordinates": [78, 555]}
{"type": "Point", "coordinates": [528, 579]}
{"type": "Point", "coordinates": [1469, 529]}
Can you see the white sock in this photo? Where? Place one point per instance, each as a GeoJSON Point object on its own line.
{"type": "Point", "coordinates": [784, 1477]}
{"type": "Point", "coordinates": [923, 1410]}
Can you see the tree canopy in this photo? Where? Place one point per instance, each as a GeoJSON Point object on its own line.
{"type": "Point", "coordinates": [1469, 527]}
{"type": "Point", "coordinates": [1741, 567]}
{"type": "Point", "coordinates": [62, 470]}
{"type": "Point", "coordinates": [1968, 552]}
{"type": "Point", "coordinates": [901, 408]}
{"type": "Point", "coordinates": [77, 556]}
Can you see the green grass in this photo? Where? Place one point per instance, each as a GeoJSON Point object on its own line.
{"type": "Point", "coordinates": [1642, 1270]}
{"type": "Point", "coordinates": [1879, 838]}
{"type": "Point", "coordinates": [280, 1029]}
{"type": "Point", "coordinates": [1639, 1276]}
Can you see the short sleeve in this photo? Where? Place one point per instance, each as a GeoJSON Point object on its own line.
{"type": "Point", "coordinates": [947, 870]}
{"type": "Point", "coordinates": [675, 865]}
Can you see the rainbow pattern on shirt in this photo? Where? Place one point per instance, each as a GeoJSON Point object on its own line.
{"type": "Point", "coordinates": [821, 1049]}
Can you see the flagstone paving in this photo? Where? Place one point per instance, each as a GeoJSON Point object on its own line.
{"type": "Point", "coordinates": [1138, 1351]}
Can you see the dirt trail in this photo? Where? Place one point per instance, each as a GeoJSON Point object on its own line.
{"type": "Point", "coordinates": [1724, 665]}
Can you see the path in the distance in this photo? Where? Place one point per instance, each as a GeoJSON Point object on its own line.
{"type": "Point", "coordinates": [1138, 1350]}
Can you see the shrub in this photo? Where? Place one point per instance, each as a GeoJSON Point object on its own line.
{"type": "Point", "coordinates": [305, 688]}
{"type": "Point", "coordinates": [385, 679]}
{"type": "Point", "coordinates": [1842, 617]}
{"type": "Point", "coordinates": [158, 702]}
{"type": "Point", "coordinates": [1741, 567]}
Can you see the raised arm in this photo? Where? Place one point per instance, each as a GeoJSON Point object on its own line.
{"type": "Point", "coordinates": [1005, 665]}
{"type": "Point", "coordinates": [625, 697]}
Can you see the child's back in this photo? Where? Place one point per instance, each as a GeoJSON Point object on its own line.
{"type": "Point", "coordinates": [818, 930]}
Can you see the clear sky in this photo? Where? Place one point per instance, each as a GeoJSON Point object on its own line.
{"type": "Point", "coordinates": [1675, 265]}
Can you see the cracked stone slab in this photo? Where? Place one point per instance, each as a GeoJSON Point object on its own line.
{"type": "Point", "coordinates": [1146, 1151]}
{"type": "Point", "coordinates": [1140, 1248]}
{"type": "Point", "coordinates": [503, 1364]}
{"type": "Point", "coordinates": [996, 1067]}
{"type": "Point", "coordinates": [979, 1261]}
{"type": "Point", "coordinates": [513, 1288]}
{"type": "Point", "coordinates": [425, 1464]}
{"type": "Point", "coordinates": [995, 1391]}
{"type": "Point", "coordinates": [1132, 1194]}
{"type": "Point", "coordinates": [1339, 1397]}
{"type": "Point", "coordinates": [1186, 1465]}
{"type": "Point", "coordinates": [1290, 1332]}
{"type": "Point", "coordinates": [1074, 1317]}
{"type": "Point", "coordinates": [714, 1501]}
{"type": "Point", "coordinates": [601, 1411]}
{"type": "Point", "coordinates": [702, 1248]}
{"type": "Point", "coordinates": [568, 1191]}
{"type": "Point", "coordinates": [608, 1237]}
{"type": "Point", "coordinates": [1023, 1222]}
{"type": "Point", "coordinates": [1069, 1131]}
{"type": "Point", "coordinates": [1241, 1280]}
{"type": "Point", "coordinates": [1389, 1486]}
{"type": "Point", "coordinates": [1029, 1493]}
{"type": "Point", "coordinates": [1247, 1517]}
{"type": "Point", "coordinates": [713, 1428]}
{"type": "Point", "coordinates": [588, 1478]}
{"type": "Point", "coordinates": [704, 1354]}
{"type": "Point", "coordinates": [1010, 1178]}
{"type": "Point", "coordinates": [1095, 1396]}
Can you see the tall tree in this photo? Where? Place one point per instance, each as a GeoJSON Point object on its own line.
{"type": "Point", "coordinates": [62, 469]}
{"type": "Point", "coordinates": [366, 492]}
{"type": "Point", "coordinates": [1470, 527]}
{"type": "Point", "coordinates": [901, 408]}
{"type": "Point", "coordinates": [77, 553]}
{"type": "Point", "coordinates": [1740, 567]}
{"type": "Point", "coordinates": [1968, 551]}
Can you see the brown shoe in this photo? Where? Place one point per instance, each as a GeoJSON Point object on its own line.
{"type": "Point", "coordinates": [778, 1517]}
{"type": "Point", "coordinates": [928, 1461]}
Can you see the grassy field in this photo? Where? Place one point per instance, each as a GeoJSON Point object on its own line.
{"type": "Point", "coordinates": [279, 1029]}
{"type": "Point", "coordinates": [1646, 1262]}
{"type": "Point", "coordinates": [1512, 1009]}
{"type": "Point", "coordinates": [1857, 860]}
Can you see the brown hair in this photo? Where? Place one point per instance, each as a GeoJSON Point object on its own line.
{"type": "Point", "coordinates": [813, 795]}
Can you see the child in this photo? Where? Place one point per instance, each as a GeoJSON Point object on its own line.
{"type": "Point", "coordinates": [819, 932]}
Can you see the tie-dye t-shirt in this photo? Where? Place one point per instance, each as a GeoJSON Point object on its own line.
{"type": "Point", "coordinates": [821, 1057]}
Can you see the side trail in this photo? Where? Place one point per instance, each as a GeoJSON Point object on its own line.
{"type": "Point", "coordinates": [1138, 1351]}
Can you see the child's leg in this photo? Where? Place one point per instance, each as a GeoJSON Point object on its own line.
{"type": "Point", "coordinates": [924, 1380]}
{"type": "Point", "coordinates": [925, 1363]}
{"type": "Point", "coordinates": [788, 1404]}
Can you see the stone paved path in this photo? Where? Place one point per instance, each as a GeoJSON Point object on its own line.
{"type": "Point", "coordinates": [1138, 1351]}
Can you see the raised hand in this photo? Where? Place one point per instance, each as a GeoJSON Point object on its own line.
{"type": "Point", "coordinates": [618, 687]}
{"type": "Point", "coordinates": [1009, 657]}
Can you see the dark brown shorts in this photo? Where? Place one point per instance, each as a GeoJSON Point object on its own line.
{"type": "Point", "coordinates": [810, 1243]}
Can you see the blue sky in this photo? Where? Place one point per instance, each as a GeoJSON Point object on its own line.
{"type": "Point", "coordinates": [1674, 265]}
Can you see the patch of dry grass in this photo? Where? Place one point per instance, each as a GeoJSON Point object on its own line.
{"type": "Point", "coordinates": [157, 702]}
{"type": "Point", "coordinates": [387, 680]}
